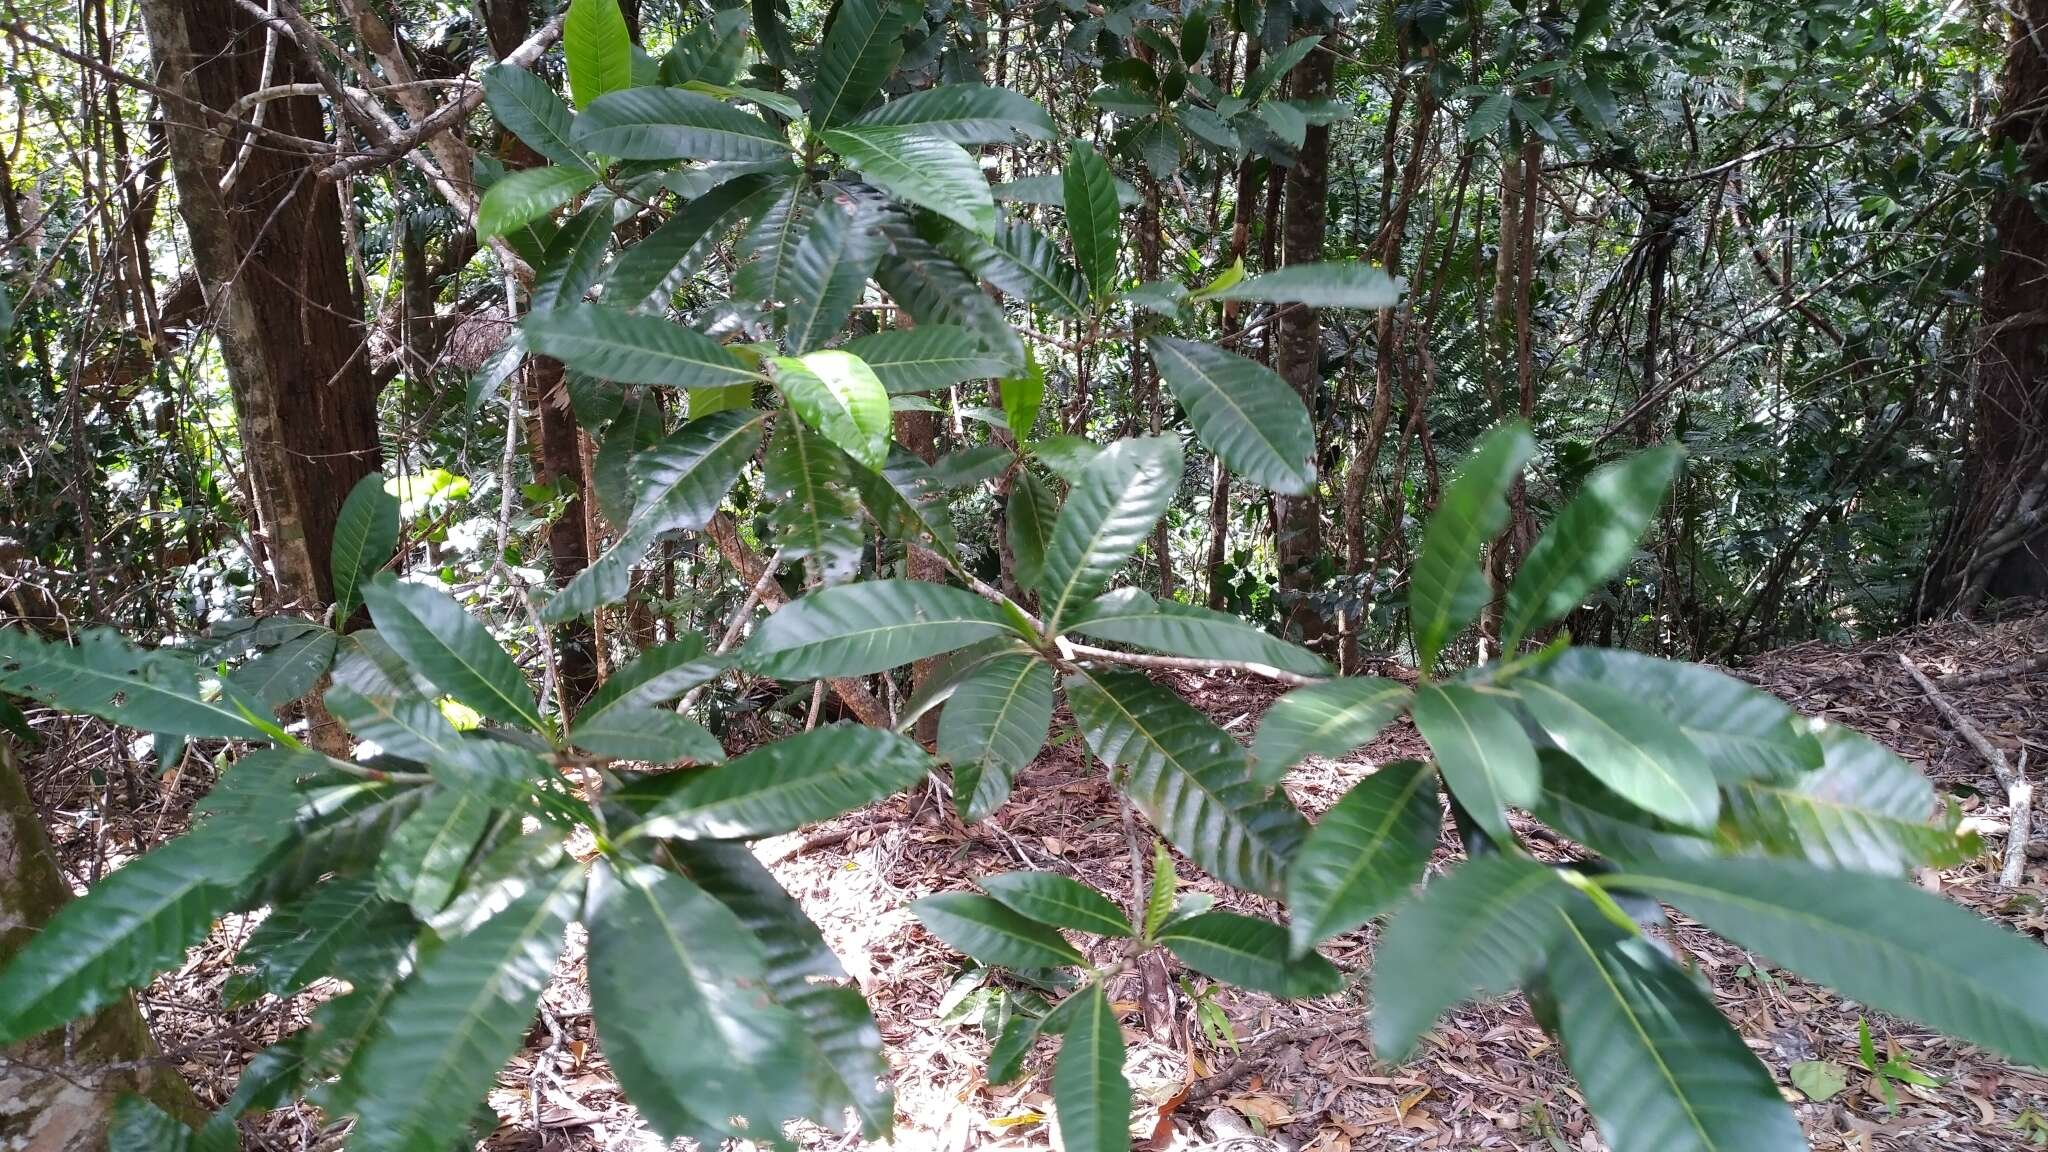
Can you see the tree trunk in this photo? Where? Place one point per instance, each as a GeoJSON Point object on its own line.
{"type": "Point", "coordinates": [1144, 373]}
{"type": "Point", "coordinates": [270, 257]}
{"type": "Point", "coordinates": [1298, 519]}
{"type": "Point", "coordinates": [918, 432]}
{"type": "Point", "coordinates": [1996, 542]}
{"type": "Point", "coordinates": [53, 1099]}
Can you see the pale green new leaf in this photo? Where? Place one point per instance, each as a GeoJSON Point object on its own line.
{"type": "Point", "coordinates": [783, 786]}
{"type": "Point", "coordinates": [1589, 541]}
{"type": "Point", "coordinates": [1365, 854]}
{"type": "Point", "coordinates": [1107, 516]}
{"type": "Point", "coordinates": [519, 198]}
{"type": "Point", "coordinates": [1243, 411]}
{"type": "Point", "coordinates": [870, 626]}
{"type": "Point", "coordinates": [1480, 748]}
{"type": "Point", "coordinates": [1323, 720]}
{"type": "Point", "coordinates": [1448, 587]}
{"type": "Point", "coordinates": [599, 48]}
{"type": "Point", "coordinates": [447, 646]}
{"type": "Point", "coordinates": [839, 395]}
{"type": "Point", "coordinates": [931, 173]}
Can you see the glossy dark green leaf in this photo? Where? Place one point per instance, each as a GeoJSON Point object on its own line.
{"type": "Point", "coordinates": [1661, 1070]}
{"type": "Point", "coordinates": [365, 532]}
{"type": "Point", "coordinates": [103, 675]}
{"type": "Point", "coordinates": [673, 124]}
{"type": "Point", "coordinates": [1645, 759]}
{"type": "Point", "coordinates": [449, 647]}
{"type": "Point", "coordinates": [278, 675]}
{"type": "Point", "coordinates": [1250, 953]}
{"type": "Point", "coordinates": [826, 275]}
{"type": "Point", "coordinates": [1028, 519]}
{"type": "Point", "coordinates": [299, 942]}
{"type": "Point", "coordinates": [630, 348]}
{"type": "Point", "coordinates": [817, 515]}
{"type": "Point", "coordinates": [1319, 285]}
{"type": "Point", "coordinates": [1131, 616]}
{"type": "Point", "coordinates": [526, 106]}
{"type": "Point", "coordinates": [862, 42]}
{"type": "Point", "coordinates": [1328, 719]}
{"type": "Point", "coordinates": [869, 626]}
{"type": "Point", "coordinates": [661, 262]}
{"type": "Point", "coordinates": [1243, 411]}
{"type": "Point", "coordinates": [1581, 807]}
{"type": "Point", "coordinates": [1094, 221]}
{"type": "Point", "coordinates": [965, 114]}
{"type": "Point", "coordinates": [1365, 853]}
{"type": "Point", "coordinates": [769, 244]}
{"type": "Point", "coordinates": [994, 724]}
{"type": "Point", "coordinates": [1022, 261]}
{"type": "Point", "coordinates": [992, 933]}
{"type": "Point", "coordinates": [1475, 931]}
{"type": "Point", "coordinates": [653, 735]}
{"type": "Point", "coordinates": [1480, 748]}
{"type": "Point", "coordinates": [1448, 587]}
{"type": "Point", "coordinates": [930, 285]}
{"type": "Point", "coordinates": [423, 863]}
{"type": "Point", "coordinates": [925, 358]}
{"type": "Point", "coordinates": [933, 174]}
{"type": "Point", "coordinates": [1006, 1058]}
{"type": "Point", "coordinates": [1108, 515]}
{"type": "Point", "coordinates": [1090, 1096]}
{"type": "Point", "coordinates": [1189, 778]}
{"type": "Point", "coordinates": [783, 786]}
{"type": "Point", "coordinates": [1588, 542]}
{"type": "Point", "coordinates": [1060, 901]}
{"type": "Point", "coordinates": [1865, 808]}
{"type": "Point", "coordinates": [658, 675]}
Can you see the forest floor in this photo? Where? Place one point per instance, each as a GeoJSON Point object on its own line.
{"type": "Point", "coordinates": [1299, 1074]}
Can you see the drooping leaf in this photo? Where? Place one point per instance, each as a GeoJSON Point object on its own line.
{"type": "Point", "coordinates": [1243, 411]}
{"type": "Point", "coordinates": [964, 114]}
{"type": "Point", "coordinates": [1865, 808]}
{"type": "Point", "coordinates": [1872, 938]}
{"type": "Point", "coordinates": [653, 735]}
{"type": "Point", "coordinates": [1643, 758]}
{"type": "Point", "coordinates": [817, 517]}
{"type": "Point", "coordinates": [449, 647]}
{"type": "Point", "coordinates": [1661, 1068]}
{"type": "Point", "coordinates": [1028, 519]}
{"type": "Point", "coordinates": [1188, 777]}
{"type": "Point", "coordinates": [599, 48]}
{"type": "Point", "coordinates": [826, 275]}
{"type": "Point", "coordinates": [1131, 616]}
{"type": "Point", "coordinates": [927, 283]}
{"type": "Point", "coordinates": [1476, 931]}
{"type": "Point", "coordinates": [300, 941]}
{"type": "Point", "coordinates": [1093, 219]}
{"type": "Point", "coordinates": [1020, 260]}
{"type": "Point", "coordinates": [1250, 953]}
{"type": "Point", "coordinates": [105, 676]}
{"type": "Point", "coordinates": [862, 42]}
{"type": "Point", "coordinates": [871, 626]}
{"type": "Point", "coordinates": [931, 173]}
{"type": "Point", "coordinates": [995, 722]}
{"type": "Point", "coordinates": [423, 862]}
{"type": "Point", "coordinates": [1323, 720]}
{"type": "Point", "coordinates": [656, 676]}
{"type": "Point", "coordinates": [1365, 854]}
{"type": "Point", "coordinates": [1319, 286]}
{"type": "Point", "coordinates": [524, 104]}
{"type": "Point", "coordinates": [452, 1025]}
{"type": "Point", "coordinates": [925, 358]}
{"type": "Point", "coordinates": [365, 532]}
{"type": "Point", "coordinates": [1448, 586]}
{"type": "Point", "coordinates": [839, 396]}
{"type": "Point", "coordinates": [574, 258]}
{"type": "Point", "coordinates": [1480, 748]}
{"type": "Point", "coordinates": [630, 348]}
{"type": "Point", "coordinates": [662, 261]}
{"type": "Point", "coordinates": [1089, 1092]}
{"type": "Point", "coordinates": [783, 786]}
{"type": "Point", "coordinates": [1107, 516]}
{"type": "Point", "coordinates": [520, 198]}
{"type": "Point", "coordinates": [674, 124]}
{"type": "Point", "coordinates": [1060, 901]}
{"type": "Point", "coordinates": [1588, 542]}
{"type": "Point", "coordinates": [281, 674]}
{"type": "Point", "coordinates": [992, 933]}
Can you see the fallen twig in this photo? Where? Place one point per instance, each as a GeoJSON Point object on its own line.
{"type": "Point", "coordinates": [2038, 663]}
{"type": "Point", "coordinates": [2019, 794]}
{"type": "Point", "coordinates": [1255, 1051]}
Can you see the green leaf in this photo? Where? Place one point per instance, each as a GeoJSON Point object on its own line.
{"type": "Point", "coordinates": [925, 358]}
{"type": "Point", "coordinates": [770, 242]}
{"type": "Point", "coordinates": [526, 106]}
{"type": "Point", "coordinates": [1006, 1058]}
{"type": "Point", "coordinates": [1049, 191]}
{"type": "Point", "coordinates": [422, 864]}
{"type": "Point", "coordinates": [1028, 520]}
{"type": "Point", "coordinates": [1476, 931]}
{"type": "Point", "coordinates": [1817, 1080]}
{"type": "Point", "coordinates": [970, 467]}
{"type": "Point", "coordinates": [1243, 411]}
{"type": "Point", "coordinates": [992, 933]}
{"type": "Point", "coordinates": [1865, 809]}
{"type": "Point", "coordinates": [1131, 616]}
{"type": "Point", "coordinates": [1745, 733]}
{"type": "Point", "coordinates": [279, 675]}
{"type": "Point", "coordinates": [1365, 854]}
{"type": "Point", "coordinates": [519, 198]}
{"type": "Point", "coordinates": [934, 174]}
{"type": "Point", "coordinates": [365, 532]}
{"type": "Point", "coordinates": [1023, 396]}
{"type": "Point", "coordinates": [1480, 748]}
{"type": "Point", "coordinates": [1279, 64]}
{"type": "Point", "coordinates": [927, 283]}
{"type": "Point", "coordinates": [1871, 938]}
{"type": "Point", "coordinates": [1250, 953]}
{"type": "Point", "coordinates": [105, 676]}
{"type": "Point", "coordinates": [862, 42]}
{"type": "Point", "coordinates": [1662, 1071]}
{"type": "Point", "coordinates": [817, 518]}
{"type": "Point", "coordinates": [1050, 898]}
{"type": "Point", "coordinates": [783, 786]}
{"type": "Point", "coordinates": [1323, 720]}
{"type": "Point", "coordinates": [1488, 116]}
{"type": "Point", "coordinates": [299, 942]}
{"type": "Point", "coordinates": [1093, 219]}
{"type": "Point", "coordinates": [1589, 541]}
{"type": "Point", "coordinates": [599, 48]}
{"type": "Point", "coordinates": [964, 114]}
{"type": "Point", "coordinates": [450, 648]}
{"type": "Point", "coordinates": [870, 626]}
{"type": "Point", "coordinates": [665, 259]}
{"type": "Point", "coordinates": [1188, 777]}
{"type": "Point", "coordinates": [907, 501]}
{"type": "Point", "coordinates": [840, 396]}
{"type": "Point", "coordinates": [451, 1026]}
{"type": "Point", "coordinates": [674, 124]}
{"type": "Point", "coordinates": [825, 277]}
{"type": "Point", "coordinates": [574, 259]}
{"type": "Point", "coordinates": [693, 1048]}
{"type": "Point", "coordinates": [658, 675]}
{"type": "Point", "coordinates": [1320, 286]}
{"type": "Point", "coordinates": [1159, 897]}
{"type": "Point", "coordinates": [1448, 587]}
{"type": "Point", "coordinates": [1575, 803]}
{"type": "Point", "coordinates": [1089, 1092]}
{"type": "Point", "coordinates": [680, 483]}
{"type": "Point", "coordinates": [1107, 516]}
{"type": "Point", "coordinates": [1286, 122]}
{"type": "Point", "coordinates": [653, 735]}
{"type": "Point", "coordinates": [1639, 755]}
{"type": "Point", "coordinates": [633, 349]}
{"type": "Point", "coordinates": [995, 721]}
{"type": "Point", "coordinates": [1020, 260]}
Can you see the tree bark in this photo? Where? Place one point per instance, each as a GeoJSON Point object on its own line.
{"type": "Point", "coordinates": [1299, 519]}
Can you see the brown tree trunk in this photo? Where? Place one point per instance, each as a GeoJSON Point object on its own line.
{"type": "Point", "coordinates": [1144, 373]}
{"type": "Point", "coordinates": [918, 432]}
{"type": "Point", "coordinates": [270, 257]}
{"type": "Point", "coordinates": [1298, 355]}
{"type": "Point", "coordinates": [1996, 542]}
{"type": "Point", "coordinates": [58, 1095]}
